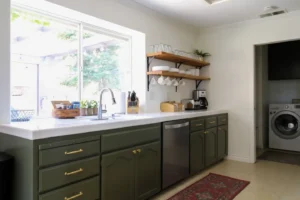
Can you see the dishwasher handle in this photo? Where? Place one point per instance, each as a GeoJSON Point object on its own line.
{"type": "Point", "coordinates": [175, 126]}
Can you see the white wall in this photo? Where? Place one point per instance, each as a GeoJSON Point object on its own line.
{"type": "Point", "coordinates": [232, 73]}
{"type": "Point", "coordinates": [158, 29]}
{"type": "Point", "coordinates": [4, 61]}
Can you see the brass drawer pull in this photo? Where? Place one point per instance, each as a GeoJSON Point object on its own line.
{"type": "Point", "coordinates": [134, 151]}
{"type": "Point", "coordinates": [74, 197]}
{"type": "Point", "coordinates": [73, 152]}
{"type": "Point", "coordinates": [213, 122]}
{"type": "Point", "coordinates": [139, 150]}
{"type": "Point", "coordinates": [74, 172]}
{"type": "Point", "coordinates": [199, 124]}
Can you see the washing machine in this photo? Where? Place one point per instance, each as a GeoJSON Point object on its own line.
{"type": "Point", "coordinates": [284, 126]}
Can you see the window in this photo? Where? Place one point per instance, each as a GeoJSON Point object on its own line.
{"type": "Point", "coordinates": [55, 59]}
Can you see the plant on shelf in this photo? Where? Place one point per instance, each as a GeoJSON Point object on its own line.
{"type": "Point", "coordinates": [202, 55]}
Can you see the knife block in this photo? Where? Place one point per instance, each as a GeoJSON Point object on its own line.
{"type": "Point", "coordinates": [133, 107]}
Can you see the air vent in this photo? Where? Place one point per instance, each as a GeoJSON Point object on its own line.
{"type": "Point", "coordinates": [271, 13]}
{"type": "Point", "coordinates": [214, 1]}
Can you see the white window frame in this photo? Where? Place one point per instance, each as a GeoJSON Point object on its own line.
{"type": "Point", "coordinates": [81, 27]}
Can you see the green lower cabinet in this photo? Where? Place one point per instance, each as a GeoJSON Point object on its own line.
{"type": "Point", "coordinates": [133, 174]}
{"type": "Point", "coordinates": [211, 139]}
{"type": "Point", "coordinates": [84, 190]}
{"type": "Point", "coordinates": [197, 145]}
{"type": "Point", "coordinates": [117, 180]}
{"type": "Point", "coordinates": [148, 171]}
{"type": "Point", "coordinates": [222, 142]}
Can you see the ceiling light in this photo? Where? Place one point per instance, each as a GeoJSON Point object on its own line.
{"type": "Point", "coordinates": [215, 1]}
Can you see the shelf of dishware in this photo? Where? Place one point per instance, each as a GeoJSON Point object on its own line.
{"type": "Point", "coordinates": [177, 59]}
{"type": "Point", "coordinates": [178, 75]}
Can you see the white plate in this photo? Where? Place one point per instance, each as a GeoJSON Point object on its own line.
{"type": "Point", "coordinates": [174, 70]}
{"type": "Point", "coordinates": [160, 68]}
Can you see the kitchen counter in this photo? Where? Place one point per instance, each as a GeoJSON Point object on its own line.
{"type": "Point", "coordinates": [47, 128]}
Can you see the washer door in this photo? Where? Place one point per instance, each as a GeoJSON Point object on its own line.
{"type": "Point", "coordinates": [286, 125]}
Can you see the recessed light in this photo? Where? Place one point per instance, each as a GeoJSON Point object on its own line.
{"type": "Point", "coordinates": [215, 1]}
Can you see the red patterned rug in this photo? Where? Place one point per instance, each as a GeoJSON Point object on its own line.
{"type": "Point", "coordinates": [212, 187]}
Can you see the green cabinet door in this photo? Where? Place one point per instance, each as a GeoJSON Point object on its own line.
{"type": "Point", "coordinates": [222, 141]}
{"type": "Point", "coordinates": [148, 170]}
{"type": "Point", "coordinates": [211, 155]}
{"type": "Point", "coordinates": [197, 144]}
{"type": "Point", "coordinates": [118, 171]}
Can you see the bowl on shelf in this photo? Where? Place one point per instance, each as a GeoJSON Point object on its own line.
{"type": "Point", "coordinates": [174, 70]}
{"type": "Point", "coordinates": [181, 72]}
{"type": "Point", "coordinates": [160, 68]}
{"type": "Point", "coordinates": [188, 73]}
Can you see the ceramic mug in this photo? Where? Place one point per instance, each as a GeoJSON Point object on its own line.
{"type": "Point", "coordinates": [168, 81]}
{"type": "Point", "coordinates": [181, 83]}
{"type": "Point", "coordinates": [153, 81]}
{"type": "Point", "coordinates": [175, 82]}
{"type": "Point", "coordinates": [161, 81]}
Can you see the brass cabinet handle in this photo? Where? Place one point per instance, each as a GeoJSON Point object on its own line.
{"type": "Point", "coordinates": [73, 152]}
{"type": "Point", "coordinates": [212, 122]}
{"type": "Point", "coordinates": [74, 197]}
{"type": "Point", "coordinates": [139, 150]}
{"type": "Point", "coordinates": [134, 151]}
{"type": "Point", "coordinates": [205, 132]}
{"type": "Point", "coordinates": [74, 172]}
{"type": "Point", "coordinates": [199, 124]}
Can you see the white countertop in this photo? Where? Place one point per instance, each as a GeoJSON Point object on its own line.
{"type": "Point", "coordinates": [47, 128]}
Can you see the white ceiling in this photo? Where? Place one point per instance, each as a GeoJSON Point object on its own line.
{"type": "Point", "coordinates": [202, 14]}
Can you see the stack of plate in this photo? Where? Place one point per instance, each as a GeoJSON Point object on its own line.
{"type": "Point", "coordinates": [161, 68]}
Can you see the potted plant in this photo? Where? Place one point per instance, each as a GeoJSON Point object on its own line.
{"type": "Point", "coordinates": [202, 55]}
{"type": "Point", "coordinates": [93, 105]}
{"type": "Point", "coordinates": [83, 108]}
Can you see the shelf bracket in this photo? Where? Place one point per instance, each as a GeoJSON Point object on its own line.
{"type": "Point", "coordinates": [148, 68]}
{"type": "Point", "coordinates": [177, 65]}
{"type": "Point", "coordinates": [198, 83]}
{"type": "Point", "coordinates": [176, 87]}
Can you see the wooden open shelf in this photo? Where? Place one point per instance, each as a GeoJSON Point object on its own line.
{"type": "Point", "coordinates": [178, 75]}
{"type": "Point", "coordinates": [177, 59]}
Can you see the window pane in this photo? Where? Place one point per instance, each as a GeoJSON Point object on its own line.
{"type": "Point", "coordinates": [44, 61]}
{"type": "Point", "coordinates": [106, 64]}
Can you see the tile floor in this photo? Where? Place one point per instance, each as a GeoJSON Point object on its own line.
{"type": "Point", "coordinates": [269, 180]}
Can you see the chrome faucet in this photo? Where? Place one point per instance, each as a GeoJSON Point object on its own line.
{"type": "Point", "coordinates": [100, 111]}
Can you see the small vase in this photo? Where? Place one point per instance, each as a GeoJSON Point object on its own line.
{"type": "Point", "coordinates": [95, 111]}
{"type": "Point", "coordinates": [201, 58]}
{"type": "Point", "coordinates": [90, 111]}
{"type": "Point", "coordinates": [83, 111]}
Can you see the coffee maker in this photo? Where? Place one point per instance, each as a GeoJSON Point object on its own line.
{"type": "Point", "coordinates": [200, 100]}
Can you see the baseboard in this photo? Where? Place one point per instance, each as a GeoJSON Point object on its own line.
{"type": "Point", "coordinates": [238, 158]}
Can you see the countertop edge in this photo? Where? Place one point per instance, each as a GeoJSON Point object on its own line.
{"type": "Point", "coordinates": [36, 134]}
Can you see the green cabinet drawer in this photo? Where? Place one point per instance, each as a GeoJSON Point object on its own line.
{"type": "Point", "coordinates": [85, 190]}
{"type": "Point", "coordinates": [61, 175]}
{"type": "Point", "coordinates": [211, 122]}
{"type": "Point", "coordinates": [130, 138]}
{"type": "Point", "coordinates": [197, 124]}
{"type": "Point", "coordinates": [222, 120]}
{"type": "Point", "coordinates": [68, 153]}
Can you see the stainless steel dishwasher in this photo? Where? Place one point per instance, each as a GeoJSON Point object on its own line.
{"type": "Point", "coordinates": [176, 142]}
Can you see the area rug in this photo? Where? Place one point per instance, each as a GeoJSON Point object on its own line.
{"type": "Point", "coordinates": [292, 158]}
{"type": "Point", "coordinates": [212, 187]}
